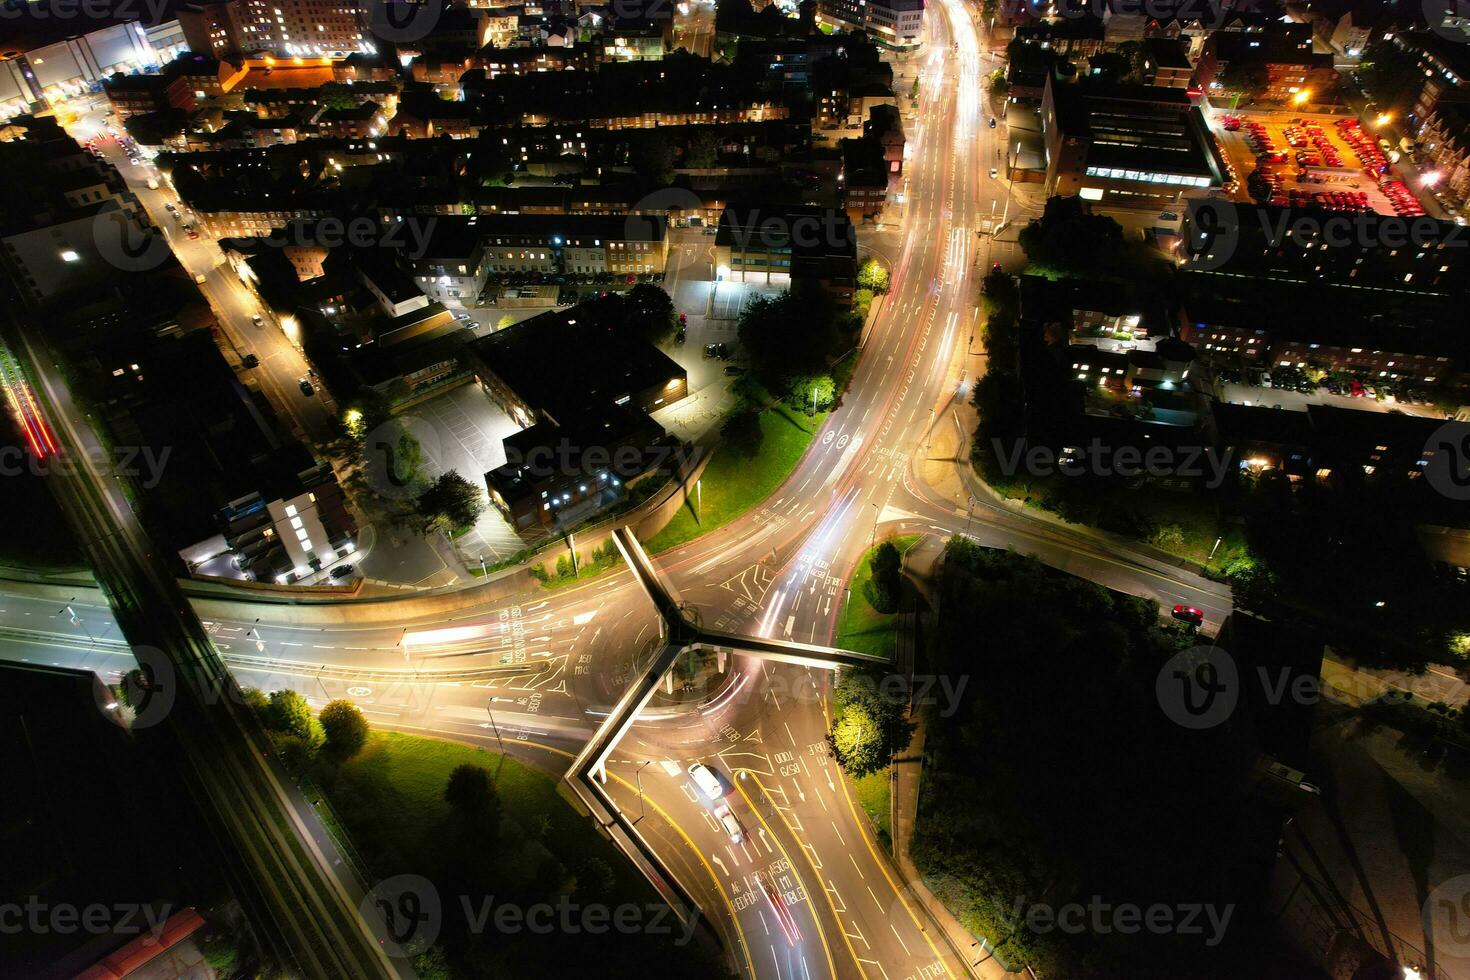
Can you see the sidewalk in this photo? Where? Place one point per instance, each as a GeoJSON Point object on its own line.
{"type": "Point", "coordinates": [907, 771]}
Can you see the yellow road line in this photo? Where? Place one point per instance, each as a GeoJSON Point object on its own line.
{"type": "Point", "coordinates": [820, 931]}
{"type": "Point", "coordinates": [882, 866]}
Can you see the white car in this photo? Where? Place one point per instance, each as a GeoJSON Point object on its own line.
{"type": "Point", "coordinates": [994, 172]}
{"type": "Point", "coordinates": [706, 780]}
{"type": "Point", "coordinates": [730, 823]}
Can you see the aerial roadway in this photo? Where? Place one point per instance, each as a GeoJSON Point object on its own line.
{"type": "Point", "coordinates": [775, 851]}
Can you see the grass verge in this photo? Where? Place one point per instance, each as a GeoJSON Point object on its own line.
{"type": "Point", "coordinates": [541, 852]}
{"type": "Point", "coordinates": [874, 794]}
{"type": "Point", "coordinates": [732, 485]}
{"type": "Point", "coordinates": [861, 627]}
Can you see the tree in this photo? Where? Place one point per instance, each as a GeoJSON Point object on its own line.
{"type": "Point", "coordinates": [595, 879]}
{"type": "Point", "coordinates": [346, 728]}
{"type": "Point", "coordinates": [742, 433]}
{"type": "Point", "coordinates": [1248, 77]}
{"type": "Point", "coordinates": [288, 714]}
{"type": "Point", "coordinates": [472, 795]}
{"type": "Point", "coordinates": [653, 157]}
{"type": "Point", "coordinates": [649, 312]}
{"type": "Point", "coordinates": [335, 95]}
{"type": "Point", "coordinates": [872, 275]}
{"type": "Point", "coordinates": [703, 150]}
{"type": "Point", "coordinates": [815, 392]}
{"type": "Point", "coordinates": [884, 585]}
{"type": "Point", "coordinates": [1392, 76]}
{"type": "Point", "coordinates": [255, 700]}
{"type": "Point", "coordinates": [873, 723]}
{"type": "Point", "coordinates": [788, 336]}
{"type": "Point", "coordinates": [1068, 236]}
{"type": "Point", "coordinates": [451, 502]}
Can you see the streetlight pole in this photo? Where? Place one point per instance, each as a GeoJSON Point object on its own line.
{"type": "Point", "coordinates": [873, 537]}
{"type": "Point", "coordinates": [494, 728]}
{"type": "Point", "coordinates": [483, 572]}
{"type": "Point", "coordinates": [698, 500]}
{"type": "Point", "coordinates": [638, 776]}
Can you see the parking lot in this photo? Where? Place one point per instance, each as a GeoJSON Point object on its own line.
{"type": "Point", "coordinates": [1309, 158]}
{"type": "Point", "coordinates": [1297, 401]}
{"type": "Point", "coordinates": [731, 298]}
{"type": "Point", "coordinates": [464, 432]}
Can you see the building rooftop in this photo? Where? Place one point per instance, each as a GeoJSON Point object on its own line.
{"type": "Point", "coordinates": [1136, 129]}
{"type": "Point", "coordinates": [564, 362]}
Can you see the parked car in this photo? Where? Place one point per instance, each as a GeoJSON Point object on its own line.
{"type": "Point", "coordinates": [734, 369]}
{"type": "Point", "coordinates": [342, 571]}
{"type": "Point", "coordinates": [257, 319]}
{"type": "Point", "coordinates": [306, 387]}
{"type": "Point", "coordinates": [1188, 614]}
{"type": "Point", "coordinates": [250, 361]}
{"type": "Point", "coordinates": [992, 122]}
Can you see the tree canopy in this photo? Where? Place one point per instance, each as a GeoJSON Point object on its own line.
{"type": "Point", "coordinates": [789, 335]}
{"type": "Point", "coordinates": [450, 502]}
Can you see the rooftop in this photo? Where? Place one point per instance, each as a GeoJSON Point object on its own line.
{"type": "Point", "coordinates": [563, 362]}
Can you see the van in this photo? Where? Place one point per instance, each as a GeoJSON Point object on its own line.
{"type": "Point", "coordinates": [201, 278]}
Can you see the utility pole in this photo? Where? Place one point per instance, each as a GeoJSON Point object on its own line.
{"type": "Point", "coordinates": [494, 728]}
{"type": "Point", "coordinates": [483, 572]}
{"type": "Point", "coordinates": [873, 537]}
{"type": "Point", "coordinates": [639, 777]}
{"type": "Point", "coordinates": [698, 500]}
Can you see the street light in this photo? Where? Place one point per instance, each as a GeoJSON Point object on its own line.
{"type": "Point", "coordinates": [1384, 118]}
{"type": "Point", "coordinates": [638, 776]}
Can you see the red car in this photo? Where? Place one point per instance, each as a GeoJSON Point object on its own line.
{"type": "Point", "coordinates": [1189, 614]}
